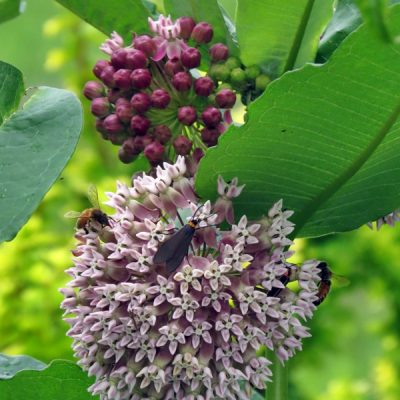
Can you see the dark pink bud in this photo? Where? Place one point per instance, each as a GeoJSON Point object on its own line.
{"type": "Point", "coordinates": [141, 102]}
{"type": "Point", "coordinates": [202, 33]}
{"type": "Point", "coordinates": [122, 78]}
{"type": "Point", "coordinates": [225, 98]}
{"type": "Point", "coordinates": [154, 152]}
{"type": "Point", "coordinates": [99, 67]}
{"type": "Point", "coordinates": [141, 78]}
{"type": "Point", "coordinates": [140, 142]}
{"type": "Point", "coordinates": [112, 124]}
{"type": "Point", "coordinates": [118, 58]}
{"type": "Point", "coordinates": [211, 117]}
{"type": "Point", "coordinates": [191, 58]}
{"type": "Point", "coordinates": [173, 66]}
{"type": "Point", "coordinates": [114, 95]}
{"type": "Point", "coordinates": [219, 52]}
{"type": "Point", "coordinates": [140, 125]}
{"type": "Point", "coordinates": [182, 81]}
{"type": "Point", "coordinates": [128, 152]}
{"type": "Point", "coordinates": [146, 44]}
{"type": "Point", "coordinates": [101, 129]}
{"type": "Point", "coordinates": [204, 86]}
{"type": "Point", "coordinates": [187, 115]}
{"type": "Point", "coordinates": [136, 59]}
{"type": "Point", "coordinates": [162, 133]}
{"type": "Point", "coordinates": [100, 107]}
{"type": "Point", "coordinates": [160, 98]}
{"type": "Point", "coordinates": [187, 24]}
{"type": "Point", "coordinates": [117, 138]}
{"type": "Point", "coordinates": [182, 145]}
{"type": "Point", "coordinates": [123, 109]}
{"type": "Point", "coordinates": [210, 136]}
{"type": "Point", "coordinates": [107, 76]}
{"type": "Point", "coordinates": [93, 89]}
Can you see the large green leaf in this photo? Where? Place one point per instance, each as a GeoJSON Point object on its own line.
{"type": "Point", "coordinates": [280, 34]}
{"type": "Point", "coordinates": [60, 380]}
{"type": "Point", "coordinates": [35, 144]}
{"type": "Point", "coordinates": [202, 10]}
{"type": "Point", "coordinates": [325, 139]}
{"type": "Point", "coordinates": [9, 9]}
{"type": "Point", "coordinates": [10, 365]}
{"type": "Point", "coordinates": [123, 16]}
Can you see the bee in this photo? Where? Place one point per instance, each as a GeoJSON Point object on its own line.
{"type": "Point", "coordinates": [90, 215]}
{"type": "Point", "coordinates": [325, 283]}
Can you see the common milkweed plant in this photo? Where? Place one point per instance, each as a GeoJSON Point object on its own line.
{"type": "Point", "coordinates": [260, 122]}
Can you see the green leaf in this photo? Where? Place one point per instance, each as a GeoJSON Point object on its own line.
{"type": "Point", "coordinates": [202, 10]}
{"type": "Point", "coordinates": [9, 9]}
{"type": "Point", "coordinates": [10, 365]}
{"type": "Point", "coordinates": [280, 35]}
{"type": "Point", "coordinates": [230, 7]}
{"type": "Point", "coordinates": [345, 20]}
{"type": "Point", "coordinates": [123, 16]}
{"type": "Point", "coordinates": [325, 139]}
{"type": "Point", "coordinates": [35, 144]}
{"type": "Point", "coordinates": [60, 380]}
{"type": "Point", "coordinates": [11, 90]}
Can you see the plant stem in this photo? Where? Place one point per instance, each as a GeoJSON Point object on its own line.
{"type": "Point", "coordinates": [278, 388]}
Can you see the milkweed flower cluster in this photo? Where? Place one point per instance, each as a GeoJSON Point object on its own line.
{"type": "Point", "coordinates": [149, 99]}
{"type": "Point", "coordinates": [194, 333]}
{"type": "Point", "coordinates": [390, 219]}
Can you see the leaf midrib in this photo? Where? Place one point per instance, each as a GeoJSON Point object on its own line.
{"type": "Point", "coordinates": [311, 208]}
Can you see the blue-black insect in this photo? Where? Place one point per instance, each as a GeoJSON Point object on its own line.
{"type": "Point", "coordinates": [176, 248]}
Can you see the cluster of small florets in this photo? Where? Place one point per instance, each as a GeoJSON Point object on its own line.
{"type": "Point", "coordinates": [193, 333]}
{"type": "Point", "coordinates": [148, 99]}
{"type": "Point", "coordinates": [389, 219]}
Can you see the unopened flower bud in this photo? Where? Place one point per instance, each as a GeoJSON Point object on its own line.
{"type": "Point", "coordinates": [136, 59]}
{"type": "Point", "coordinates": [262, 82]}
{"type": "Point", "coordinates": [99, 67]}
{"type": "Point", "coordinates": [118, 58]}
{"type": "Point", "coordinates": [140, 142]}
{"type": "Point", "coordinates": [204, 86]}
{"type": "Point", "coordinates": [160, 98]}
{"type": "Point", "coordinates": [225, 98]}
{"type": "Point", "coordinates": [100, 107]}
{"type": "Point", "coordinates": [219, 72]}
{"type": "Point", "coordinates": [146, 44]}
{"type": "Point", "coordinates": [140, 124]}
{"type": "Point", "coordinates": [107, 76]}
{"type": "Point", "coordinates": [122, 78]}
{"type": "Point", "coordinates": [112, 124]}
{"type": "Point", "coordinates": [101, 129]}
{"type": "Point", "coordinates": [210, 136]}
{"type": "Point", "coordinates": [232, 63]}
{"type": "Point", "coordinates": [187, 115]}
{"type": "Point", "coordinates": [182, 81]}
{"type": "Point", "coordinates": [154, 152]}
{"type": "Point", "coordinates": [141, 78]}
{"type": "Point", "coordinates": [127, 153]}
{"type": "Point", "coordinates": [252, 72]}
{"type": "Point", "coordinates": [182, 145]}
{"type": "Point", "coordinates": [114, 94]}
{"type": "Point", "coordinates": [173, 66]}
{"type": "Point", "coordinates": [187, 24]}
{"type": "Point", "coordinates": [211, 117]}
{"type": "Point", "coordinates": [123, 109]}
{"type": "Point", "coordinates": [191, 58]}
{"type": "Point", "coordinates": [202, 33]}
{"type": "Point", "coordinates": [117, 138]}
{"type": "Point", "coordinates": [93, 89]}
{"type": "Point", "coordinates": [219, 52]}
{"type": "Point", "coordinates": [238, 76]}
{"type": "Point", "coordinates": [141, 102]}
{"type": "Point", "coordinates": [162, 133]}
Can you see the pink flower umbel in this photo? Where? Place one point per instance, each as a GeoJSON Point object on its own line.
{"type": "Point", "coordinates": [192, 333]}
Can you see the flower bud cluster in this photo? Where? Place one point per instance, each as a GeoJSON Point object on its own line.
{"type": "Point", "coordinates": [149, 101]}
{"type": "Point", "coordinates": [192, 333]}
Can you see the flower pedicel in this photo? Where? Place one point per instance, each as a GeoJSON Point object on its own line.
{"type": "Point", "coordinates": [194, 333]}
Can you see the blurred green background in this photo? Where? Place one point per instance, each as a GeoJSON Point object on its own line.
{"type": "Point", "coordinates": [354, 352]}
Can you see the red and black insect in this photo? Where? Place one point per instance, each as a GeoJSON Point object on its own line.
{"type": "Point", "coordinates": [325, 283]}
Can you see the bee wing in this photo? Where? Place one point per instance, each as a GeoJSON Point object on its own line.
{"type": "Point", "coordinates": [340, 280]}
{"type": "Point", "coordinates": [72, 214]}
{"type": "Point", "coordinates": [93, 196]}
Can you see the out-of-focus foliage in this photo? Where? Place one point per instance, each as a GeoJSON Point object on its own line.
{"type": "Point", "coordinates": [355, 349]}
